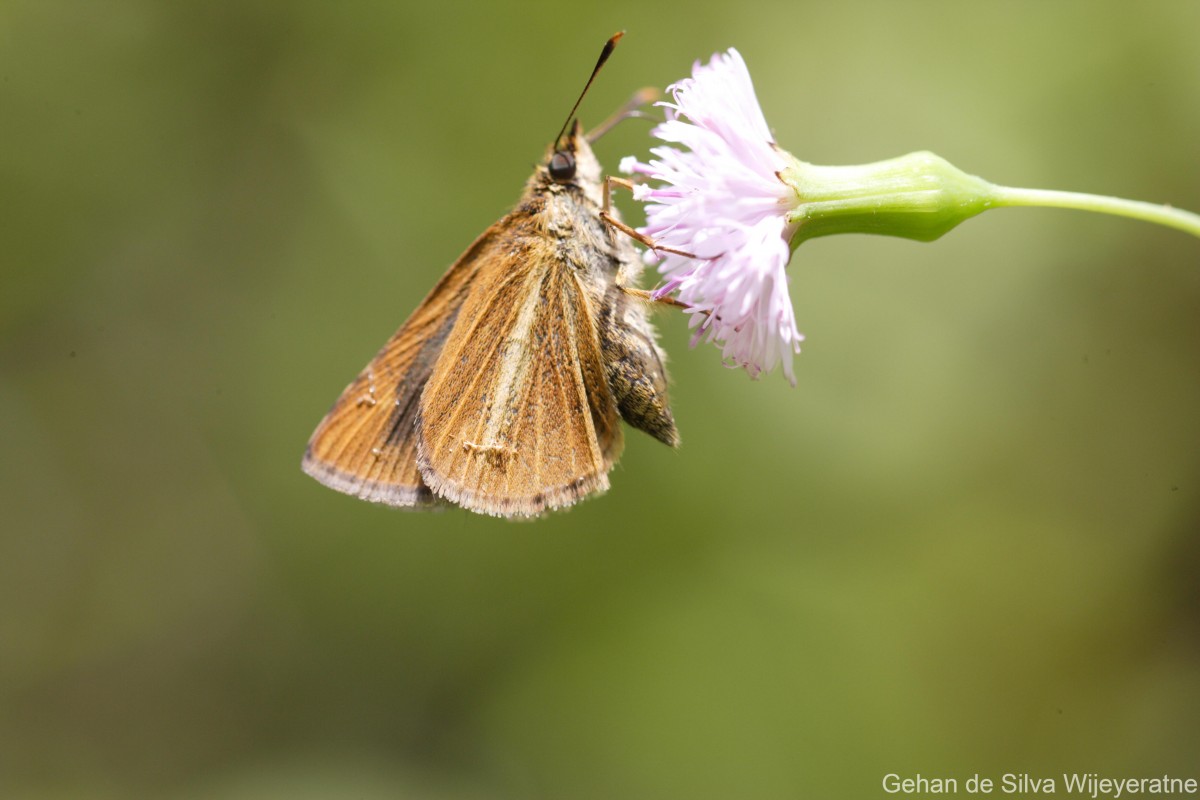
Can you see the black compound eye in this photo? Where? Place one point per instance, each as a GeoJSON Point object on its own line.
{"type": "Point", "coordinates": [562, 167]}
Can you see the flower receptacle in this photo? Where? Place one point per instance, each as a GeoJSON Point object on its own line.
{"type": "Point", "coordinates": [917, 196]}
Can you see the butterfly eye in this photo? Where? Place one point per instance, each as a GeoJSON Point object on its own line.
{"type": "Point", "coordinates": [562, 167]}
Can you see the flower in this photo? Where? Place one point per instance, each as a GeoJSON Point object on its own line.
{"type": "Point", "coordinates": [733, 206]}
{"type": "Point", "coordinates": [724, 201]}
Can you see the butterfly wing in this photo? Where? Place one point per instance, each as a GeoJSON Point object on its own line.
{"type": "Point", "coordinates": [517, 416]}
{"type": "Point", "coordinates": [367, 445]}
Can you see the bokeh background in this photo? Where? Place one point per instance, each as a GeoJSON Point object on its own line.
{"type": "Point", "coordinates": [967, 542]}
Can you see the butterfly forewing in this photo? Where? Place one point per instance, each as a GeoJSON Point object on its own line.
{"type": "Point", "coordinates": [517, 416]}
{"type": "Point", "coordinates": [367, 445]}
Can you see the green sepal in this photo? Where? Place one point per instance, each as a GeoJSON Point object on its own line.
{"type": "Point", "coordinates": [918, 196]}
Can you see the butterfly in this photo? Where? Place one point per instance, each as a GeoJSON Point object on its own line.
{"type": "Point", "coordinates": [503, 391]}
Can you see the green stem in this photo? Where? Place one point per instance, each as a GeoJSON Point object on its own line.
{"type": "Point", "coordinates": [1177, 218]}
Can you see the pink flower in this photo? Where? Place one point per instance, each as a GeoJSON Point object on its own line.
{"type": "Point", "coordinates": [722, 199]}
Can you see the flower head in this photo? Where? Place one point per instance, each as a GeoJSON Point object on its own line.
{"type": "Point", "coordinates": [724, 201]}
{"type": "Point", "coordinates": [733, 205]}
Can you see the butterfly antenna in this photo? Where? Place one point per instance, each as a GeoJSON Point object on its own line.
{"type": "Point", "coordinates": [609, 46]}
{"type": "Point", "coordinates": [642, 97]}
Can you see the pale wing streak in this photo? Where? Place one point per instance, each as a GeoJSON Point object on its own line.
{"type": "Point", "coordinates": [485, 358]}
{"type": "Point", "coordinates": [514, 368]}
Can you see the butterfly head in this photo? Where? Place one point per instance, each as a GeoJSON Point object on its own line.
{"type": "Point", "coordinates": [570, 162]}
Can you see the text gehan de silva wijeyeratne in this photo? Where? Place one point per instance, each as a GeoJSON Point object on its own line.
{"type": "Point", "coordinates": [1086, 784]}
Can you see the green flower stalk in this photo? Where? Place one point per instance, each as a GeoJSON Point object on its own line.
{"type": "Point", "coordinates": [922, 196]}
{"type": "Point", "coordinates": [734, 206]}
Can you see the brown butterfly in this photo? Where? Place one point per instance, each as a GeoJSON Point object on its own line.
{"type": "Point", "coordinates": [502, 391]}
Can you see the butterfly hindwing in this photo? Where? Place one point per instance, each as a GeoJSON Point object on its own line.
{"type": "Point", "coordinates": [366, 445]}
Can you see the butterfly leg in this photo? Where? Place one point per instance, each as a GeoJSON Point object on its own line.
{"type": "Point", "coordinates": [648, 296]}
{"type": "Point", "coordinates": [606, 215]}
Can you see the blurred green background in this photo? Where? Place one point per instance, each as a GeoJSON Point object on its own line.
{"type": "Point", "coordinates": [967, 542]}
